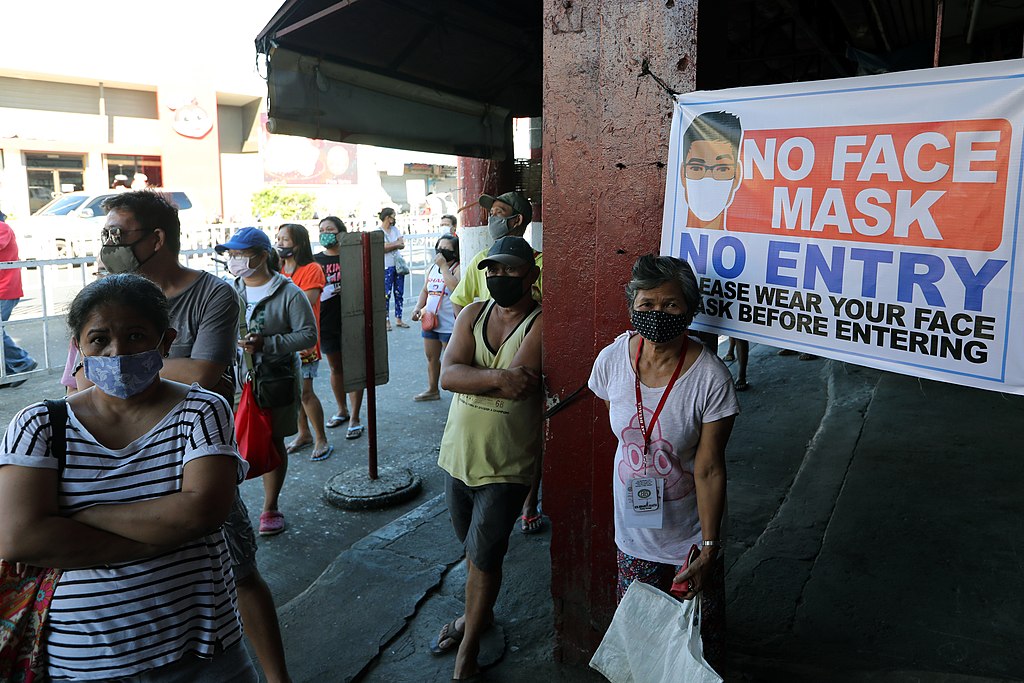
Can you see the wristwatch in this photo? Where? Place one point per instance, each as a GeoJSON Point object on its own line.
{"type": "Point", "coordinates": [711, 544]}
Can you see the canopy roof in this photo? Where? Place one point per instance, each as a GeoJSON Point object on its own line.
{"type": "Point", "coordinates": [445, 76]}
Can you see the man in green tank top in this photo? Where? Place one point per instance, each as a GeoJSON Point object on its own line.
{"type": "Point", "coordinates": [493, 439]}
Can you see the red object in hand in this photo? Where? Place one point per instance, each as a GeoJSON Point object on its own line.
{"type": "Point", "coordinates": [681, 589]}
{"type": "Point", "coordinates": [255, 435]}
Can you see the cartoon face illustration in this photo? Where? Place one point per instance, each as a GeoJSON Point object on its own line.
{"type": "Point", "coordinates": [710, 173]}
{"type": "Point", "coordinates": [662, 461]}
{"type": "Point", "coordinates": [190, 120]}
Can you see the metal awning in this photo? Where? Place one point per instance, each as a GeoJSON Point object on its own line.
{"type": "Point", "coordinates": [446, 76]}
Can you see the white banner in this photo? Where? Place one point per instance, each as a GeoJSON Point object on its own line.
{"type": "Point", "coordinates": [872, 220]}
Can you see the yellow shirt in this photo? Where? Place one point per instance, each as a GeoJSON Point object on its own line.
{"type": "Point", "coordinates": [493, 440]}
{"type": "Point", "coordinates": [473, 285]}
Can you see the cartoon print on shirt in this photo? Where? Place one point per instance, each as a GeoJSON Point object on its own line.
{"type": "Point", "coordinates": [663, 461]}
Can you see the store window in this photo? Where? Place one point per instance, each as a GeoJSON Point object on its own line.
{"type": "Point", "coordinates": [123, 170]}
{"type": "Point", "coordinates": [51, 175]}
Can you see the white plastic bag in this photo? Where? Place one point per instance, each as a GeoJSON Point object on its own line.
{"type": "Point", "coordinates": [654, 638]}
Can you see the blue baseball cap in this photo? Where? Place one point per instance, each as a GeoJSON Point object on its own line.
{"type": "Point", "coordinates": [246, 238]}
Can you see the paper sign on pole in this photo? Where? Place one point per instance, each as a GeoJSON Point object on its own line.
{"type": "Point", "coordinates": [873, 220]}
{"type": "Point", "coordinates": [353, 332]}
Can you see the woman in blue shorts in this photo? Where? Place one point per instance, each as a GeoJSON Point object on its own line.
{"type": "Point", "coordinates": [434, 310]}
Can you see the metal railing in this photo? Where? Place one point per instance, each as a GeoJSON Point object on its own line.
{"type": "Point", "coordinates": [50, 286]}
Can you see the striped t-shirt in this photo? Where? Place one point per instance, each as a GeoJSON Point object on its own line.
{"type": "Point", "coordinates": [116, 621]}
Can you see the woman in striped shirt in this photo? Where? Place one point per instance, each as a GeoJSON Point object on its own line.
{"type": "Point", "coordinates": [133, 517]}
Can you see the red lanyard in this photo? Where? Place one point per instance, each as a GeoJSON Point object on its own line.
{"type": "Point", "coordinates": [661, 404]}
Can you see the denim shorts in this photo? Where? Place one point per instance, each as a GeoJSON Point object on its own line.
{"type": "Point", "coordinates": [308, 370]}
{"type": "Point", "coordinates": [442, 337]}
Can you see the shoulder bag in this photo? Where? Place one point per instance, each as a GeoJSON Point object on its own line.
{"type": "Point", "coordinates": [401, 267]}
{"type": "Point", "coordinates": [25, 596]}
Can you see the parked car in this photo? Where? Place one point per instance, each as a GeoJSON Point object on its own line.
{"type": "Point", "coordinates": [69, 225]}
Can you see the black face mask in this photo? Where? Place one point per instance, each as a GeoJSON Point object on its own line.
{"type": "Point", "coordinates": [659, 326]}
{"type": "Point", "coordinates": [504, 289]}
{"type": "Point", "coordinates": [285, 252]}
{"type": "Point", "coordinates": [448, 254]}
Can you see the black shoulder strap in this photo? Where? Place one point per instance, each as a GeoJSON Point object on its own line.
{"type": "Point", "coordinates": [58, 411]}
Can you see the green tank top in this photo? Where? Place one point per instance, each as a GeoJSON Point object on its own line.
{"type": "Point", "coordinates": [493, 440]}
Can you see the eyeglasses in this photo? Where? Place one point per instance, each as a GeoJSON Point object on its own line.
{"type": "Point", "coordinates": [112, 236]}
{"type": "Point", "coordinates": [696, 171]}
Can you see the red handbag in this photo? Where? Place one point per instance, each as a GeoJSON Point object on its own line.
{"type": "Point", "coordinates": [255, 435]}
{"type": "Point", "coordinates": [429, 320]}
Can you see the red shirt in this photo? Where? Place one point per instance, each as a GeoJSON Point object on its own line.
{"type": "Point", "coordinates": [10, 280]}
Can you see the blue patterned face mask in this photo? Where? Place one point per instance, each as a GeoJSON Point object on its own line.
{"type": "Point", "coordinates": [124, 376]}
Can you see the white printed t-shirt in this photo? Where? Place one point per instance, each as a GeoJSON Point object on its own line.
{"type": "Point", "coordinates": [115, 621]}
{"type": "Point", "coordinates": [392, 234]}
{"type": "Point", "coordinates": [439, 301]}
{"type": "Point", "coordinates": [704, 393]}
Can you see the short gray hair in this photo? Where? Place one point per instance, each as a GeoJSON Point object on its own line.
{"type": "Point", "coordinates": [652, 271]}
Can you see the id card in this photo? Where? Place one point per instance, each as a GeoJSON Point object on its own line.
{"type": "Point", "coordinates": [645, 509]}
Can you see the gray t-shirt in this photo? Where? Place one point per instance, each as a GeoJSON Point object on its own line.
{"type": "Point", "coordinates": [206, 318]}
{"type": "Point", "coordinates": [704, 393]}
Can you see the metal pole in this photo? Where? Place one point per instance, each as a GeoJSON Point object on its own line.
{"type": "Point", "coordinates": [371, 370]}
{"type": "Point", "coordinates": [938, 32]}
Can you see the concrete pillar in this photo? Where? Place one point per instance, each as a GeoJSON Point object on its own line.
{"type": "Point", "coordinates": [95, 176]}
{"type": "Point", "coordinates": [606, 130]}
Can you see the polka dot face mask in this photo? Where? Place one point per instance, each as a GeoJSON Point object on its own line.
{"type": "Point", "coordinates": [658, 326]}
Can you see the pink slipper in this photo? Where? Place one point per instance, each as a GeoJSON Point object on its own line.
{"type": "Point", "coordinates": [271, 523]}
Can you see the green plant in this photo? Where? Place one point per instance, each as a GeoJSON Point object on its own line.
{"type": "Point", "coordinates": [288, 204]}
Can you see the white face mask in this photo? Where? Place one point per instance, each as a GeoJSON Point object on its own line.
{"type": "Point", "coordinates": [239, 266]}
{"type": "Point", "coordinates": [707, 197]}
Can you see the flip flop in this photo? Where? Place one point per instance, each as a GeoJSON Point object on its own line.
{"type": "Point", "coordinates": [427, 396]}
{"type": "Point", "coordinates": [741, 385]}
{"type": "Point", "coordinates": [296, 447]}
{"type": "Point", "coordinates": [532, 524]}
{"type": "Point", "coordinates": [450, 634]}
{"type": "Point", "coordinates": [729, 357]}
{"type": "Point", "coordinates": [401, 323]}
{"type": "Point", "coordinates": [337, 421]}
{"type": "Point", "coordinates": [354, 432]}
{"type": "Point", "coordinates": [322, 455]}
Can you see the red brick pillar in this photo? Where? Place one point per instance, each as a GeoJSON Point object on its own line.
{"type": "Point", "coordinates": [482, 176]}
{"type": "Point", "coordinates": [606, 129]}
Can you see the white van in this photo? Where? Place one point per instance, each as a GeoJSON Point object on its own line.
{"type": "Point", "coordinates": [69, 225]}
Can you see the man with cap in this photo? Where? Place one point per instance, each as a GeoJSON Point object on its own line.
{"type": "Point", "coordinates": [493, 438]}
{"type": "Point", "coordinates": [142, 234]}
{"type": "Point", "coordinates": [510, 214]}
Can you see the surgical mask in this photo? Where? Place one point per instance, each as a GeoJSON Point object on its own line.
{"type": "Point", "coordinates": [505, 289]}
{"type": "Point", "coordinates": [124, 376]}
{"type": "Point", "coordinates": [328, 239]}
{"type": "Point", "coordinates": [120, 258]}
{"type": "Point", "coordinates": [659, 326]}
{"type": "Point", "coordinates": [498, 226]}
{"type": "Point", "coordinates": [448, 254]}
{"type": "Point", "coordinates": [707, 197]}
{"type": "Point", "coordinates": [285, 252]}
{"type": "Point", "coordinates": [239, 266]}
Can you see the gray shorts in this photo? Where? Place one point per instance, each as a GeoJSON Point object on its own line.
{"type": "Point", "coordinates": [483, 518]}
{"type": "Point", "coordinates": [241, 539]}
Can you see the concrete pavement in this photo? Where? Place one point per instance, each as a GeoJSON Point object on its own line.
{"type": "Point", "coordinates": [874, 535]}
